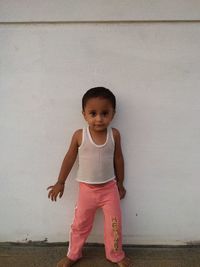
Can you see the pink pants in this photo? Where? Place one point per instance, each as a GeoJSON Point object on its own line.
{"type": "Point", "coordinates": [92, 197]}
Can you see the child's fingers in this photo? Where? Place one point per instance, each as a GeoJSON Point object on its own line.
{"type": "Point", "coordinates": [53, 193]}
{"type": "Point", "coordinates": [51, 186]}
{"type": "Point", "coordinates": [123, 194]}
{"type": "Point", "coordinates": [60, 195]}
{"type": "Point", "coordinates": [50, 193]}
{"type": "Point", "coordinates": [53, 197]}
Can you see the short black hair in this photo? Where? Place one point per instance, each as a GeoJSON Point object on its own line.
{"type": "Point", "coordinates": [101, 92]}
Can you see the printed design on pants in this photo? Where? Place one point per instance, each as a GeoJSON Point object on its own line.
{"type": "Point", "coordinates": [115, 228]}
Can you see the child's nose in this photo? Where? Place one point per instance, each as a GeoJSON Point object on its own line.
{"type": "Point", "coordinates": [99, 117]}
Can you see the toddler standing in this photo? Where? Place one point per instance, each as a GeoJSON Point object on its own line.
{"type": "Point", "coordinates": [100, 176]}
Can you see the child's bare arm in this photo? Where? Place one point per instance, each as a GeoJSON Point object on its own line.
{"type": "Point", "coordinates": [67, 164]}
{"type": "Point", "coordinates": [119, 163]}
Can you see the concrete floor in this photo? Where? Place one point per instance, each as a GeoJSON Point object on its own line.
{"type": "Point", "coordinates": [12, 255]}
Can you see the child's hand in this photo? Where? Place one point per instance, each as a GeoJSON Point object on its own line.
{"type": "Point", "coordinates": [122, 190]}
{"type": "Point", "coordinates": [55, 190]}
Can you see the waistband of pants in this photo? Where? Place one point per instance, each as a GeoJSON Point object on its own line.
{"type": "Point", "coordinates": [93, 186]}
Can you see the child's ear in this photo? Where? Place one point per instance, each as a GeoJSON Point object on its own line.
{"type": "Point", "coordinates": [83, 112]}
{"type": "Point", "coordinates": [113, 113]}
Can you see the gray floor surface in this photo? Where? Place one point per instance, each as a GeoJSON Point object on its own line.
{"type": "Point", "coordinates": [48, 255]}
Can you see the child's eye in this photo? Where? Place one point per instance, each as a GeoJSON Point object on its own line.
{"type": "Point", "coordinates": [93, 113]}
{"type": "Point", "coordinates": [105, 113]}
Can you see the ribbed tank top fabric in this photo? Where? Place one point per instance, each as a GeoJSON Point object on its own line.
{"type": "Point", "coordinates": [96, 162]}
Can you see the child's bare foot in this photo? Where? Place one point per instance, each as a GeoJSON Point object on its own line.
{"type": "Point", "coordinates": [65, 262]}
{"type": "Point", "coordinates": [126, 262]}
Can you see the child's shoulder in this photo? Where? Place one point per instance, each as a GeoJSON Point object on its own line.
{"type": "Point", "coordinates": [78, 136]}
{"type": "Point", "coordinates": [78, 132]}
{"type": "Point", "coordinates": [116, 133]}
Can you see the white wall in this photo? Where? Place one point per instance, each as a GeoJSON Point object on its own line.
{"type": "Point", "coordinates": [153, 68]}
{"type": "Point", "coordinates": [98, 10]}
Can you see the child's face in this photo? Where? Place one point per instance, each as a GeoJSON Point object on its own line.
{"type": "Point", "coordinates": [98, 113]}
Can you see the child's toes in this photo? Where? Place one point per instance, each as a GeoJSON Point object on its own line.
{"type": "Point", "coordinates": [126, 262]}
{"type": "Point", "coordinates": [65, 262]}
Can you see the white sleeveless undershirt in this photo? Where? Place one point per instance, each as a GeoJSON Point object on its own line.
{"type": "Point", "coordinates": [96, 162]}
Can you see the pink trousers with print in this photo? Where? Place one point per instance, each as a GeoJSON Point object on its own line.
{"type": "Point", "coordinates": [92, 197]}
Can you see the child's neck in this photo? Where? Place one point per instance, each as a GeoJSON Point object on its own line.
{"type": "Point", "coordinates": [98, 137]}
